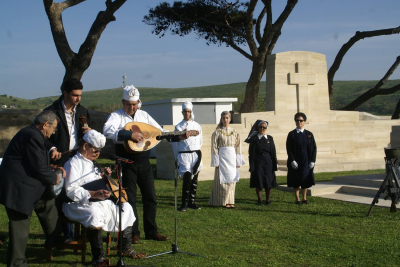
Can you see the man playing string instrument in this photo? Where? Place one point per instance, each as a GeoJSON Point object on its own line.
{"type": "Point", "coordinates": [140, 172]}
{"type": "Point", "coordinates": [90, 204]}
{"type": "Point", "coordinates": [70, 129]}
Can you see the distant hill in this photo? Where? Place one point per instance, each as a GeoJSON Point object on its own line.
{"type": "Point", "coordinates": [110, 99]}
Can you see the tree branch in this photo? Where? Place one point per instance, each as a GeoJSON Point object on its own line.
{"type": "Point", "coordinates": [258, 24]}
{"type": "Point", "coordinates": [53, 11]}
{"type": "Point", "coordinates": [342, 52]}
{"type": "Point", "coordinates": [376, 90]}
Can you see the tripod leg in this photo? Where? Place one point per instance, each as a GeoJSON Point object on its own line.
{"type": "Point", "coordinates": [380, 191]}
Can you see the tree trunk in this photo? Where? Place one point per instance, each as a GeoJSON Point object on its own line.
{"type": "Point", "coordinates": [252, 87]}
{"type": "Point", "coordinates": [396, 113]}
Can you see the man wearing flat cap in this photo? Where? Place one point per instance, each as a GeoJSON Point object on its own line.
{"type": "Point", "coordinates": [188, 157]}
{"type": "Point", "coordinates": [140, 172]}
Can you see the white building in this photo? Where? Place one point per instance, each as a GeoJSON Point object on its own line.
{"type": "Point", "coordinates": [206, 110]}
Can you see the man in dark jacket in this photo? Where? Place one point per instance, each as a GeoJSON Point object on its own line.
{"type": "Point", "coordinates": [24, 174]}
{"type": "Point", "coordinates": [70, 130]}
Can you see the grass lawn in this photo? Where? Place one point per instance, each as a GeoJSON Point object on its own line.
{"type": "Point", "coordinates": [323, 233]}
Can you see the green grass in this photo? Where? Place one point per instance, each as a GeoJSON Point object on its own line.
{"type": "Point", "coordinates": [110, 99]}
{"type": "Point", "coordinates": [323, 233]}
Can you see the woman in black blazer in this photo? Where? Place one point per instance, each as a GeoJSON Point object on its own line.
{"type": "Point", "coordinates": [302, 153]}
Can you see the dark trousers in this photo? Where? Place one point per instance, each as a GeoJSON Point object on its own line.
{"type": "Point", "coordinates": [18, 228]}
{"type": "Point", "coordinates": [141, 175]}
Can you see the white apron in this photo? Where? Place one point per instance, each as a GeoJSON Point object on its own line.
{"type": "Point", "coordinates": [228, 173]}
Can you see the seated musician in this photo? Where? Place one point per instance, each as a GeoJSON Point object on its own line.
{"type": "Point", "coordinates": [91, 206]}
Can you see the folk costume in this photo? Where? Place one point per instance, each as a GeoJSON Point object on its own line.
{"type": "Point", "coordinates": [139, 173]}
{"type": "Point", "coordinates": [95, 214]}
{"type": "Point", "coordinates": [188, 156]}
{"type": "Point", "coordinates": [301, 148]}
{"type": "Point", "coordinates": [226, 155]}
{"type": "Point", "coordinates": [24, 174]}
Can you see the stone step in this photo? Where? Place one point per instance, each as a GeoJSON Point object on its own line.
{"type": "Point", "coordinates": [316, 190]}
{"type": "Point", "coordinates": [372, 180]}
{"type": "Point", "coordinates": [362, 199]}
{"type": "Point", "coordinates": [358, 190]}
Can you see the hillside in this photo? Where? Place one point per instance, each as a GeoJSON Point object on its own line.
{"type": "Point", "coordinates": [110, 99]}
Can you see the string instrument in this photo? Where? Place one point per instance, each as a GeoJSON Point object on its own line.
{"type": "Point", "coordinates": [83, 121]}
{"type": "Point", "coordinates": [151, 136]}
{"type": "Point", "coordinates": [70, 151]}
{"type": "Point", "coordinates": [112, 185]}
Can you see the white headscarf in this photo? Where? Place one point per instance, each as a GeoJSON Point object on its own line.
{"type": "Point", "coordinates": [95, 138]}
{"type": "Point", "coordinates": [266, 123]}
{"type": "Point", "coordinates": [131, 93]}
{"type": "Point", "coordinates": [188, 105]}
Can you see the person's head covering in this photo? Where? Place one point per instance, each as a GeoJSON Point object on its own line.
{"type": "Point", "coordinates": [261, 122]}
{"type": "Point", "coordinates": [188, 105]}
{"type": "Point", "coordinates": [254, 129]}
{"type": "Point", "coordinates": [131, 93]}
{"type": "Point", "coordinates": [95, 138]}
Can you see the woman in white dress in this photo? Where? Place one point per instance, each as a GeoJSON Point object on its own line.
{"type": "Point", "coordinates": [226, 157]}
{"type": "Point", "coordinates": [89, 199]}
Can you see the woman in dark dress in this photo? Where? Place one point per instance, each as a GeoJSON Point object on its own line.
{"type": "Point", "coordinates": [302, 153]}
{"type": "Point", "coordinates": [263, 162]}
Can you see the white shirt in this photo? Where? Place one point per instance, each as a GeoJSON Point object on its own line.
{"type": "Point", "coordinates": [72, 126]}
{"type": "Point", "coordinates": [80, 171]}
{"type": "Point", "coordinates": [299, 130]}
{"type": "Point", "coordinates": [118, 119]}
{"type": "Point", "coordinates": [193, 142]}
{"type": "Point", "coordinates": [186, 161]}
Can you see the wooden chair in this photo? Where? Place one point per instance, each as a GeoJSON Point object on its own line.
{"type": "Point", "coordinates": [79, 244]}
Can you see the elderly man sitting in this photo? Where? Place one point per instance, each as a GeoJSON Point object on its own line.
{"type": "Point", "coordinates": [90, 204]}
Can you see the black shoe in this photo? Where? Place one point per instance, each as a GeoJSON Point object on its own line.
{"type": "Point", "coordinates": [100, 261]}
{"type": "Point", "coordinates": [183, 207]}
{"type": "Point", "coordinates": [297, 202]}
{"type": "Point", "coordinates": [194, 206]}
{"type": "Point", "coordinates": [54, 242]}
{"type": "Point", "coordinates": [259, 203]}
{"type": "Point", "coordinates": [305, 202]}
{"type": "Point", "coordinates": [268, 203]}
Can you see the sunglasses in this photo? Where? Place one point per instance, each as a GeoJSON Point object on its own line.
{"type": "Point", "coordinates": [262, 127]}
{"type": "Point", "coordinates": [299, 120]}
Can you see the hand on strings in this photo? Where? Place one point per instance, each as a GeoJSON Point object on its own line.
{"type": "Point", "coordinates": [55, 155]}
{"type": "Point", "coordinates": [137, 137]}
{"type": "Point", "coordinates": [107, 171]}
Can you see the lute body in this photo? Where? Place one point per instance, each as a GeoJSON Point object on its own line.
{"type": "Point", "coordinates": [152, 136]}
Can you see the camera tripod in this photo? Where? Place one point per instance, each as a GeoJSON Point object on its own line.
{"type": "Point", "coordinates": [391, 183]}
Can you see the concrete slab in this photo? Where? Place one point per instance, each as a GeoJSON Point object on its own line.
{"type": "Point", "coordinates": [356, 189]}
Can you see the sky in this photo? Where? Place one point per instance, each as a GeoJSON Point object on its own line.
{"type": "Point", "coordinates": [31, 68]}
